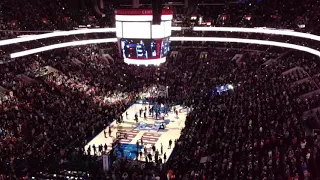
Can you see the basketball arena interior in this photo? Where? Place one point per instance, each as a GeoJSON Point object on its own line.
{"type": "Point", "coordinates": [159, 90]}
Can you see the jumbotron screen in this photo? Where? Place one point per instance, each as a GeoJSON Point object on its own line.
{"type": "Point", "coordinates": [144, 49]}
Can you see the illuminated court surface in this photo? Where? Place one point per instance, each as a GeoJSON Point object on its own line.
{"type": "Point", "coordinates": [150, 135]}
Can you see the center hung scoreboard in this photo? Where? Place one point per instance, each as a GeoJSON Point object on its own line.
{"type": "Point", "coordinates": [140, 42]}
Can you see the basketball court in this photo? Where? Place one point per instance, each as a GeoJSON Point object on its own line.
{"type": "Point", "coordinates": [146, 129]}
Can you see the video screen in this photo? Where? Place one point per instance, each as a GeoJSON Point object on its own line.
{"type": "Point", "coordinates": [138, 49]}
{"type": "Point", "coordinates": [144, 48]}
{"type": "Point", "coordinates": [165, 47]}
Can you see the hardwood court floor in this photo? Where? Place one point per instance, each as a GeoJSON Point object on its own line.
{"type": "Point", "coordinates": [150, 137]}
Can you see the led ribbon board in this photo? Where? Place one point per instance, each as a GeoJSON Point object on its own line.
{"type": "Point", "coordinates": [249, 41]}
{"type": "Point", "coordinates": [104, 30]}
{"type": "Point", "coordinates": [262, 30]}
{"type": "Point", "coordinates": [55, 34]}
{"type": "Point", "coordinates": [144, 62]}
{"type": "Point", "coordinates": [212, 39]}
{"type": "Point", "coordinates": [61, 45]}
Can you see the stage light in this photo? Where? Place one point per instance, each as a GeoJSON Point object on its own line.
{"type": "Point", "coordinates": [249, 41]}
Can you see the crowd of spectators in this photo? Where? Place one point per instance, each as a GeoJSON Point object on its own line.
{"type": "Point", "coordinates": [251, 132]}
{"type": "Point", "coordinates": [53, 103]}
{"type": "Point", "coordinates": [47, 114]}
{"type": "Point", "coordinates": [256, 135]}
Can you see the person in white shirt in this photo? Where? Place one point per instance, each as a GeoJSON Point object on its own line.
{"type": "Point", "coordinates": [303, 144]}
{"type": "Point", "coordinates": [308, 156]}
{"type": "Point", "coordinates": [260, 129]}
{"type": "Point", "coordinates": [270, 154]}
